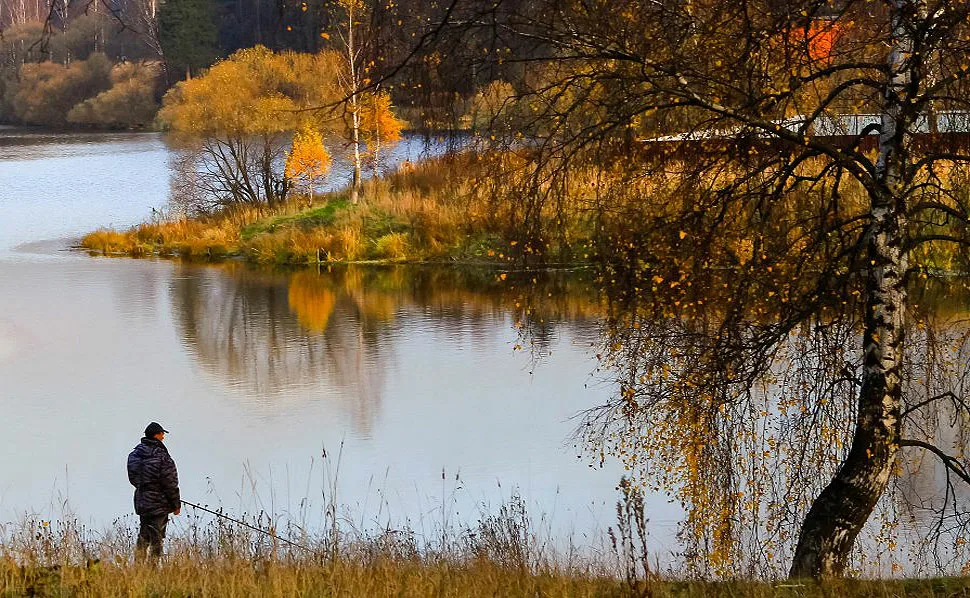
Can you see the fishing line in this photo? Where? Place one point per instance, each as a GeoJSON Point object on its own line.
{"type": "Point", "coordinates": [244, 524]}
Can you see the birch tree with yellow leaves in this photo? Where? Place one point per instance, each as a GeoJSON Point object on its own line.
{"type": "Point", "coordinates": [768, 183]}
{"type": "Point", "coordinates": [352, 82]}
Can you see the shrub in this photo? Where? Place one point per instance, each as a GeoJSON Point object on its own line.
{"type": "Point", "coordinates": [46, 91]}
{"type": "Point", "coordinates": [391, 246]}
{"type": "Point", "coordinates": [109, 241]}
{"type": "Point", "coordinates": [129, 103]}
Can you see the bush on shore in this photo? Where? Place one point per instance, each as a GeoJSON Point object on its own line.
{"type": "Point", "coordinates": [90, 92]}
{"type": "Point", "coordinates": [45, 92]}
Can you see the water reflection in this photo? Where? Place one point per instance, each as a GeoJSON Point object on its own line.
{"type": "Point", "coordinates": [256, 371]}
{"type": "Point", "coordinates": [269, 334]}
{"type": "Point", "coordinates": [747, 432]}
{"type": "Point", "coordinates": [25, 143]}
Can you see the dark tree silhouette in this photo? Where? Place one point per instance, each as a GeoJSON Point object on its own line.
{"type": "Point", "coordinates": [187, 34]}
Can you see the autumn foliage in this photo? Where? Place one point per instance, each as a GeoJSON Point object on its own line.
{"type": "Point", "coordinates": [308, 160]}
{"type": "Point", "coordinates": [253, 92]}
{"type": "Point", "coordinates": [130, 101]}
{"type": "Point", "coordinates": [236, 119]}
{"type": "Point", "coordinates": [45, 92]}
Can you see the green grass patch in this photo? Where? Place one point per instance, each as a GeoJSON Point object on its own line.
{"type": "Point", "coordinates": [379, 223]}
{"type": "Point", "coordinates": [324, 215]}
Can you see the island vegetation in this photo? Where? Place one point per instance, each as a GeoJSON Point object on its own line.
{"type": "Point", "coordinates": [427, 214]}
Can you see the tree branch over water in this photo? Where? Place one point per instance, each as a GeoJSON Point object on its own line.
{"type": "Point", "coordinates": [758, 185]}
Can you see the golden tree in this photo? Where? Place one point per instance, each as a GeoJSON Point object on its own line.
{"type": "Point", "coordinates": [235, 118]}
{"type": "Point", "coordinates": [379, 125]}
{"type": "Point", "coordinates": [308, 160]}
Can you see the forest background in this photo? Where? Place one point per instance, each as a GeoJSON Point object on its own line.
{"type": "Point", "coordinates": [108, 63]}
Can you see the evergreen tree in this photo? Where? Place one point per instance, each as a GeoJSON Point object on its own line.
{"type": "Point", "coordinates": [188, 35]}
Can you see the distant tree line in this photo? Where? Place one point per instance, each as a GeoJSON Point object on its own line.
{"type": "Point", "coordinates": [432, 84]}
{"type": "Point", "coordinates": [86, 71]}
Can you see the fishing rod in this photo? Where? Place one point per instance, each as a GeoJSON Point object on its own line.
{"type": "Point", "coordinates": [244, 524]}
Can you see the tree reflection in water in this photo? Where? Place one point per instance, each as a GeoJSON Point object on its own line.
{"type": "Point", "coordinates": [746, 451]}
{"type": "Point", "coordinates": [271, 333]}
{"type": "Point", "coordinates": [745, 460]}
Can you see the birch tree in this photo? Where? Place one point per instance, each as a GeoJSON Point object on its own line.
{"type": "Point", "coordinates": [352, 82]}
{"type": "Point", "coordinates": [380, 128]}
{"type": "Point", "coordinates": [753, 188]}
{"type": "Point", "coordinates": [307, 160]}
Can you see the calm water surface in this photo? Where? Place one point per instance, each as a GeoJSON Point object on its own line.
{"type": "Point", "coordinates": [412, 371]}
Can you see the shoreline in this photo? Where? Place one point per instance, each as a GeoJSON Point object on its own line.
{"type": "Point", "coordinates": [432, 212]}
{"type": "Point", "coordinates": [503, 554]}
{"type": "Point", "coordinates": [240, 258]}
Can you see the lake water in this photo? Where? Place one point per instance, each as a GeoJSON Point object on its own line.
{"type": "Point", "coordinates": [414, 372]}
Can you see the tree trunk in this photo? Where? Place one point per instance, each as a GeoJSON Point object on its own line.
{"type": "Point", "coordinates": [842, 509]}
{"type": "Point", "coordinates": [356, 183]}
{"type": "Point", "coordinates": [354, 103]}
{"type": "Point", "coordinates": [844, 506]}
{"type": "Point", "coordinates": [377, 135]}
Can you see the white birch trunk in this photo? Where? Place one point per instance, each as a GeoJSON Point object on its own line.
{"type": "Point", "coordinates": [842, 509]}
{"type": "Point", "coordinates": [377, 136]}
{"type": "Point", "coordinates": [354, 104]}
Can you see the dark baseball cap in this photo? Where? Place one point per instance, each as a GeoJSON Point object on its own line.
{"type": "Point", "coordinates": [154, 428]}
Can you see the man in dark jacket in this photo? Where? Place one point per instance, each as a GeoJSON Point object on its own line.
{"type": "Point", "coordinates": [152, 472]}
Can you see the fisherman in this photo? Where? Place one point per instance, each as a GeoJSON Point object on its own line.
{"type": "Point", "coordinates": [152, 472]}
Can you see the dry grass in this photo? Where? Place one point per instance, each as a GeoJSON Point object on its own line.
{"type": "Point", "coordinates": [210, 238]}
{"type": "Point", "coordinates": [341, 577]}
{"type": "Point", "coordinates": [222, 576]}
{"type": "Point", "coordinates": [112, 242]}
{"type": "Point", "coordinates": [499, 556]}
{"type": "Point", "coordinates": [502, 554]}
{"type": "Point", "coordinates": [496, 558]}
{"type": "Point", "coordinates": [431, 211]}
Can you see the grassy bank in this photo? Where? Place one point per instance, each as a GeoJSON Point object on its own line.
{"type": "Point", "coordinates": [184, 575]}
{"type": "Point", "coordinates": [503, 554]}
{"type": "Point", "coordinates": [431, 212]}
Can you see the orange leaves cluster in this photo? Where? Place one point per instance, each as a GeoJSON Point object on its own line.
{"type": "Point", "coordinates": [308, 160]}
{"type": "Point", "coordinates": [379, 124]}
